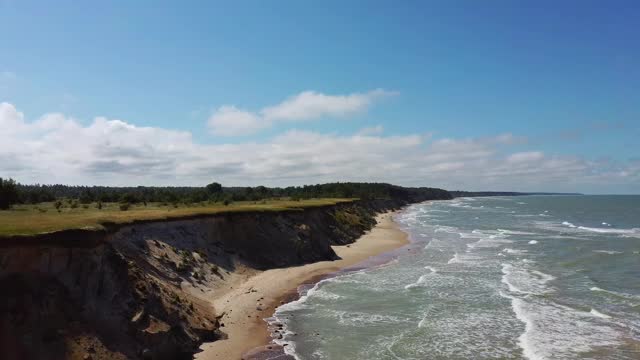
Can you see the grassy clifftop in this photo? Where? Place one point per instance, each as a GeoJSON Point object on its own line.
{"type": "Point", "coordinates": [45, 218]}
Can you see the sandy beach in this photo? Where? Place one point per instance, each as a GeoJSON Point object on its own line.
{"type": "Point", "coordinates": [254, 295]}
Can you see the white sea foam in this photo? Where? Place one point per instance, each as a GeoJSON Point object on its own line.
{"type": "Point", "coordinates": [419, 282]}
{"type": "Point", "coordinates": [554, 331]}
{"type": "Point", "coordinates": [514, 251]}
{"type": "Point", "coordinates": [599, 314]}
{"type": "Point", "coordinates": [533, 242]}
{"type": "Point", "coordinates": [514, 232]}
{"type": "Point", "coordinates": [361, 318]}
{"type": "Point", "coordinates": [454, 259]}
{"type": "Point", "coordinates": [608, 252]}
{"type": "Point", "coordinates": [491, 241]}
{"type": "Point", "coordinates": [290, 348]}
{"type": "Point", "coordinates": [422, 322]}
{"type": "Point", "coordinates": [447, 229]}
{"type": "Point", "coordinates": [617, 294]}
{"type": "Point", "coordinates": [524, 281]}
{"type": "Point", "coordinates": [434, 270]}
{"type": "Point", "coordinates": [634, 231]}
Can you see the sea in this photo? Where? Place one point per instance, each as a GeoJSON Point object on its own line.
{"type": "Point", "coordinates": [524, 277]}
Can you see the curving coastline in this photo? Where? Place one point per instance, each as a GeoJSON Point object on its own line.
{"type": "Point", "coordinates": [160, 289]}
{"type": "Point", "coordinates": [254, 296]}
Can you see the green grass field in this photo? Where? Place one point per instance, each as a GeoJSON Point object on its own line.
{"type": "Point", "coordinates": [44, 218]}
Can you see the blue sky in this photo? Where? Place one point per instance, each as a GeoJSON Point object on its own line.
{"type": "Point", "coordinates": [560, 78]}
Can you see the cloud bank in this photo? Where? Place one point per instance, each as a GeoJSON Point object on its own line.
{"type": "Point", "coordinates": [58, 149]}
{"type": "Point", "coordinates": [228, 120]}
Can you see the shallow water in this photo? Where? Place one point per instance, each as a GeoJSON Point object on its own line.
{"type": "Point", "coordinates": [537, 277]}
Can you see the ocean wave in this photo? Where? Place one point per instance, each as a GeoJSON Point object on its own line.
{"type": "Point", "coordinates": [533, 242]}
{"type": "Point", "coordinates": [523, 281]}
{"type": "Point", "coordinates": [514, 232]}
{"type": "Point", "coordinates": [354, 318]}
{"type": "Point", "coordinates": [514, 251]}
{"type": "Point", "coordinates": [608, 252]}
{"type": "Point", "coordinates": [433, 270]}
{"type": "Point", "coordinates": [421, 280]}
{"type": "Point", "coordinates": [617, 294]}
{"type": "Point", "coordinates": [554, 331]}
{"type": "Point", "coordinates": [447, 229]}
{"type": "Point", "coordinates": [608, 230]}
{"type": "Point", "coordinates": [633, 231]}
{"type": "Point", "coordinates": [491, 241]}
{"type": "Point", "coordinates": [597, 313]}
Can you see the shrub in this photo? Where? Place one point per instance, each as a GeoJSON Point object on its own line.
{"type": "Point", "coordinates": [58, 205]}
{"type": "Point", "coordinates": [125, 206]}
{"type": "Point", "coordinates": [347, 219]}
{"type": "Point", "coordinates": [99, 205]}
{"type": "Point", "coordinates": [226, 202]}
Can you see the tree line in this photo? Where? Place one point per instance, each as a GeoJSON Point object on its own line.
{"type": "Point", "coordinates": [12, 192]}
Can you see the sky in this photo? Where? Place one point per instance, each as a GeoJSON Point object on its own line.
{"type": "Point", "coordinates": [492, 95]}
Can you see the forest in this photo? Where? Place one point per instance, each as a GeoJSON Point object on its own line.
{"type": "Point", "coordinates": [12, 193]}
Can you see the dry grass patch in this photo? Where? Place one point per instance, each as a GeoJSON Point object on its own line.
{"type": "Point", "coordinates": [45, 217]}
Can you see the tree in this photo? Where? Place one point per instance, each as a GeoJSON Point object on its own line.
{"type": "Point", "coordinates": [8, 193]}
{"type": "Point", "coordinates": [214, 189]}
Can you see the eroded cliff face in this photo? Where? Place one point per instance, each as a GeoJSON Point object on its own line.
{"type": "Point", "coordinates": [128, 292]}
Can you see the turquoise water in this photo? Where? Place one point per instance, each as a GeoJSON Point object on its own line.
{"type": "Point", "coordinates": [537, 277]}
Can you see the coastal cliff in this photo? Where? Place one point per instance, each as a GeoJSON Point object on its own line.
{"type": "Point", "coordinates": [134, 291]}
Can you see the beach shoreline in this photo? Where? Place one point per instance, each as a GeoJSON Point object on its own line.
{"type": "Point", "coordinates": [250, 299]}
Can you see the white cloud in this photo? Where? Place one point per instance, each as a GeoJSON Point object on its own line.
{"type": "Point", "coordinates": [228, 120]}
{"type": "Point", "coordinates": [525, 157]}
{"type": "Point", "coordinates": [310, 105]}
{"type": "Point", "coordinates": [57, 149]}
